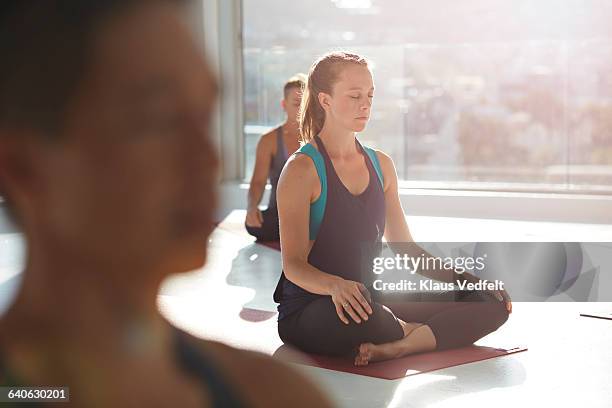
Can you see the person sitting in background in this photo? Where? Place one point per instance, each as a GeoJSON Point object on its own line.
{"type": "Point", "coordinates": [273, 150]}
{"type": "Point", "coordinates": [109, 169]}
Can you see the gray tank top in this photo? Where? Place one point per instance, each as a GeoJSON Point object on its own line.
{"type": "Point", "coordinates": [276, 166]}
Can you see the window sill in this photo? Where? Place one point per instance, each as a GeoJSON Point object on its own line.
{"type": "Point", "coordinates": [523, 206]}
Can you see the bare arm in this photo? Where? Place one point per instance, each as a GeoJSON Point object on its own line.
{"type": "Point", "coordinates": [396, 231]}
{"type": "Point", "coordinates": [297, 188]}
{"type": "Point", "coordinates": [259, 179]}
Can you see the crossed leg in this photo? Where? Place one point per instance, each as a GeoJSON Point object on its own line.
{"type": "Point", "coordinates": [417, 338]}
{"type": "Point", "coordinates": [429, 325]}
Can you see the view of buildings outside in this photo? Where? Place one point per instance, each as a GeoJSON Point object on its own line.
{"type": "Point", "coordinates": [473, 94]}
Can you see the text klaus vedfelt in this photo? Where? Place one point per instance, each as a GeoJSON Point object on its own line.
{"type": "Point", "coordinates": [422, 263]}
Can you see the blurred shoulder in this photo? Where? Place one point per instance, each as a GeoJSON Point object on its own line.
{"type": "Point", "coordinates": [261, 380]}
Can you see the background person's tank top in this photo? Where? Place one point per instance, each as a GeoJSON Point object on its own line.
{"type": "Point", "coordinates": [276, 165]}
{"type": "Point", "coordinates": [349, 235]}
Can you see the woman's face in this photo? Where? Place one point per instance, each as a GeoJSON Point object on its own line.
{"type": "Point", "coordinates": [351, 100]}
{"type": "Point", "coordinates": [132, 180]}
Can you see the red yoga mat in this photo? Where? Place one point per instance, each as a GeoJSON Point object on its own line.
{"type": "Point", "coordinates": [401, 367]}
{"type": "Point", "coordinates": [255, 315]}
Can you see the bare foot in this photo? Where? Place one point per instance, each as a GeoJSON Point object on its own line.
{"type": "Point", "coordinates": [375, 352]}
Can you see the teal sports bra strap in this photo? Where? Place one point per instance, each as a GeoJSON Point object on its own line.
{"type": "Point", "coordinates": [317, 208]}
{"type": "Point", "coordinates": [374, 159]}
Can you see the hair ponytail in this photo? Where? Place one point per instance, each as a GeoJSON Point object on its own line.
{"type": "Point", "coordinates": [312, 115]}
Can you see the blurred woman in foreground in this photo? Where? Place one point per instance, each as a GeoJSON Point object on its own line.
{"type": "Point", "coordinates": [107, 164]}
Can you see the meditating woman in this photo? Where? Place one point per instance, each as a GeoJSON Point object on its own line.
{"type": "Point", "coordinates": [337, 197]}
{"type": "Point", "coordinates": [273, 150]}
{"type": "Point", "coordinates": [108, 165]}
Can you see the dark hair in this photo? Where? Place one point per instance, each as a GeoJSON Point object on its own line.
{"type": "Point", "coordinates": [45, 49]}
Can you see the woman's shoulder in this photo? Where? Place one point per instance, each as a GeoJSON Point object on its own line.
{"type": "Point", "coordinates": [302, 161]}
{"type": "Point", "coordinates": [382, 156]}
{"type": "Point", "coordinates": [268, 140]}
{"type": "Point", "coordinates": [386, 166]}
{"type": "Point", "coordinates": [281, 384]}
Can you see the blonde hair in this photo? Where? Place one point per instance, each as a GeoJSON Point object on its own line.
{"type": "Point", "coordinates": [322, 76]}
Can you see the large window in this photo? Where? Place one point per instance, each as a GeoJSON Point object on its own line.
{"type": "Point", "coordinates": [512, 94]}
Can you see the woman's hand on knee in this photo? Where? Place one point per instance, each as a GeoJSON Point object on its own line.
{"type": "Point", "coordinates": [501, 295]}
{"type": "Point", "coordinates": [504, 294]}
{"type": "Point", "coordinates": [348, 297]}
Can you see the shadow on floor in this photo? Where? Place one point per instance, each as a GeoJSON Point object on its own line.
{"type": "Point", "coordinates": [257, 267]}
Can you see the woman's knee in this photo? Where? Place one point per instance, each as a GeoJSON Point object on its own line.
{"type": "Point", "coordinates": [315, 329]}
{"type": "Point", "coordinates": [319, 330]}
{"type": "Point", "coordinates": [496, 312]}
{"type": "Point", "coordinates": [382, 326]}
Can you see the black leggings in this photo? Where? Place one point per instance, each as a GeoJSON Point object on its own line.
{"type": "Point", "coordinates": [456, 318]}
{"type": "Point", "coordinates": [269, 228]}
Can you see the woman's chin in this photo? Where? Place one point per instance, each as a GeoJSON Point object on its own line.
{"type": "Point", "coordinates": [358, 125]}
{"type": "Point", "coordinates": [189, 263]}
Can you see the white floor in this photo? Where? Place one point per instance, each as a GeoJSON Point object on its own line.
{"type": "Point", "coordinates": [568, 363]}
